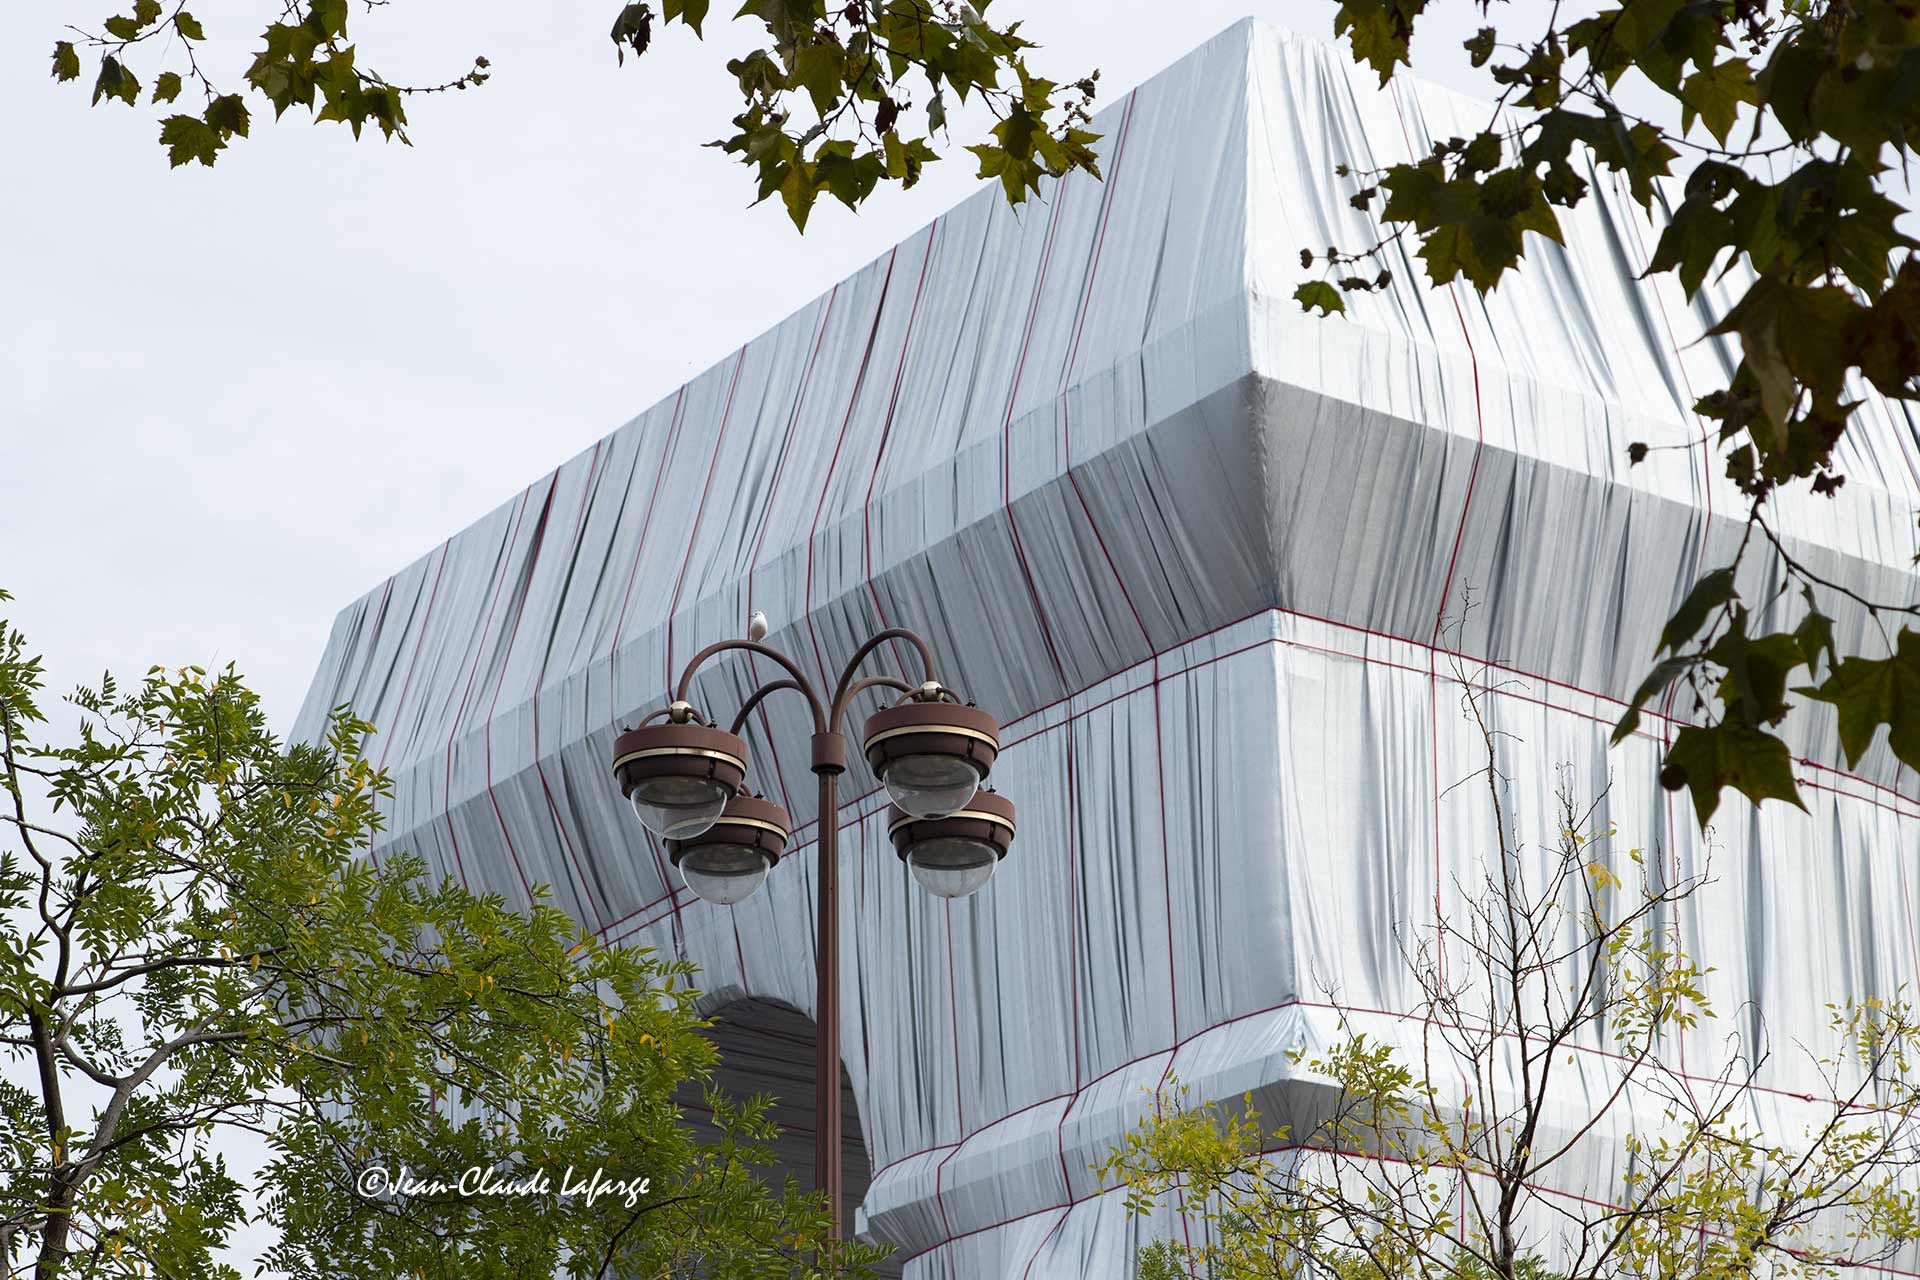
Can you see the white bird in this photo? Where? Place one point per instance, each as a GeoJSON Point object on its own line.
{"type": "Point", "coordinates": [757, 626]}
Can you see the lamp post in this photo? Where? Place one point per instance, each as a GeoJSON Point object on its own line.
{"type": "Point", "coordinates": [685, 778]}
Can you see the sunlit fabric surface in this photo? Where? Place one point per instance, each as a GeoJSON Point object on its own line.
{"type": "Point", "coordinates": [1210, 560]}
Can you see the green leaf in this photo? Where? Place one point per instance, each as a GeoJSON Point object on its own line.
{"type": "Point", "coordinates": [188, 26]}
{"type": "Point", "coordinates": [1662, 675]}
{"type": "Point", "coordinates": [798, 190]}
{"type": "Point", "coordinates": [166, 87]}
{"type": "Point", "coordinates": [1755, 670]}
{"type": "Point", "coordinates": [1870, 692]}
{"type": "Point", "coordinates": [1379, 31]}
{"type": "Point", "coordinates": [691, 12]}
{"type": "Point", "coordinates": [1321, 294]}
{"type": "Point", "coordinates": [189, 138]}
{"type": "Point", "coordinates": [1731, 754]}
{"type": "Point", "coordinates": [1790, 335]}
{"type": "Point", "coordinates": [1715, 97]}
{"type": "Point", "coordinates": [818, 68]}
{"type": "Point", "coordinates": [66, 62]}
{"type": "Point", "coordinates": [632, 29]}
{"type": "Point", "coordinates": [327, 17]}
{"type": "Point", "coordinates": [227, 115]}
{"type": "Point", "coordinates": [1708, 594]}
{"type": "Point", "coordinates": [1886, 341]}
{"type": "Point", "coordinates": [1815, 635]}
{"type": "Point", "coordinates": [115, 81]}
{"type": "Point", "coordinates": [1481, 44]}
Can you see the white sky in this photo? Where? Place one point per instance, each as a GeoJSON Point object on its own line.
{"type": "Point", "coordinates": [233, 399]}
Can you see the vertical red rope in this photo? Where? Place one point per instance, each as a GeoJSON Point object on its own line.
{"type": "Point", "coordinates": [1046, 632]}
{"type": "Point", "coordinates": [513, 635]}
{"type": "Point", "coordinates": [1446, 590]}
{"type": "Point", "coordinates": [639, 548]}
{"type": "Point", "coordinates": [1073, 359]}
{"type": "Point", "coordinates": [566, 840]}
{"type": "Point", "coordinates": [480, 644]}
{"type": "Point", "coordinates": [879, 453]}
{"type": "Point", "coordinates": [700, 512]}
{"type": "Point", "coordinates": [406, 684]}
{"type": "Point", "coordinates": [833, 463]}
{"type": "Point", "coordinates": [1066, 426]}
{"type": "Point", "coordinates": [673, 608]}
{"type": "Point", "coordinates": [1006, 435]}
{"type": "Point", "coordinates": [620, 623]}
{"type": "Point", "coordinates": [753, 564]}
{"type": "Point", "coordinates": [1066, 419]}
{"type": "Point", "coordinates": [766, 522]}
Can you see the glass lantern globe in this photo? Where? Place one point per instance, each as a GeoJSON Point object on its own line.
{"type": "Point", "coordinates": [931, 754]}
{"type": "Point", "coordinates": [931, 786]}
{"type": "Point", "coordinates": [725, 873]}
{"type": "Point", "coordinates": [953, 867]}
{"type": "Point", "coordinates": [955, 856]}
{"type": "Point", "coordinates": [677, 808]}
{"type": "Point", "coordinates": [679, 776]}
{"type": "Point", "coordinates": [729, 861]}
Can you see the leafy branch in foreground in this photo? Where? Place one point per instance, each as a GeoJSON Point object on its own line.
{"type": "Point", "coordinates": [192, 946]}
{"type": "Point", "coordinates": [308, 60]}
{"type": "Point", "coordinates": [825, 98]}
{"type": "Point", "coordinates": [825, 101]}
{"type": "Point", "coordinates": [1532, 1119]}
{"type": "Point", "coordinates": [1788, 113]}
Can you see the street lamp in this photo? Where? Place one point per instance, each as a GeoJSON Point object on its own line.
{"type": "Point", "coordinates": [685, 778]}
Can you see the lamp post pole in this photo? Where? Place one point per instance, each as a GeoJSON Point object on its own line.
{"type": "Point", "coordinates": [826, 1087]}
{"type": "Point", "coordinates": [685, 778]}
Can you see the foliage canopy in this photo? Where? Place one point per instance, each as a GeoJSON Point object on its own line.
{"type": "Point", "coordinates": [193, 946]}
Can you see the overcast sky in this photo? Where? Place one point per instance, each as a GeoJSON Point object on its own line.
{"type": "Point", "coordinates": [233, 399]}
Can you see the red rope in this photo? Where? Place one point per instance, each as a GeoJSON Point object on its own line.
{"type": "Point", "coordinates": [406, 684]}
{"type": "Point", "coordinates": [833, 463]}
{"type": "Point", "coordinates": [480, 643]}
{"type": "Point", "coordinates": [506, 660]}
{"type": "Point", "coordinates": [1006, 434]}
{"type": "Point", "coordinates": [753, 563]}
{"type": "Point", "coordinates": [1446, 590]}
{"type": "Point", "coordinates": [673, 609]}
{"type": "Point", "coordinates": [879, 453]}
{"type": "Point", "coordinates": [566, 840]}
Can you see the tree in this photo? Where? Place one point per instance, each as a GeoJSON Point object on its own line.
{"type": "Point", "coordinates": [1783, 115]}
{"type": "Point", "coordinates": [1473, 1157]}
{"type": "Point", "coordinates": [193, 947]}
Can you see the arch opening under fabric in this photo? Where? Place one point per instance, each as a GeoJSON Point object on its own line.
{"type": "Point", "coordinates": [768, 1047]}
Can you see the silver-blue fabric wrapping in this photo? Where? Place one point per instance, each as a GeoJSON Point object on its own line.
{"type": "Point", "coordinates": [1208, 559]}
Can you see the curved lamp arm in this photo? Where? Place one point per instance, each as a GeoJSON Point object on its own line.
{"type": "Point", "coordinates": [772, 686]}
{"type": "Point", "coordinates": [858, 687]}
{"type": "Point", "coordinates": [844, 691]}
{"type": "Point", "coordinates": [799, 680]}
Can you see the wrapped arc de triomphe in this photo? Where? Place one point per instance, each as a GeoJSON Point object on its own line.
{"type": "Point", "coordinates": [1206, 557]}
